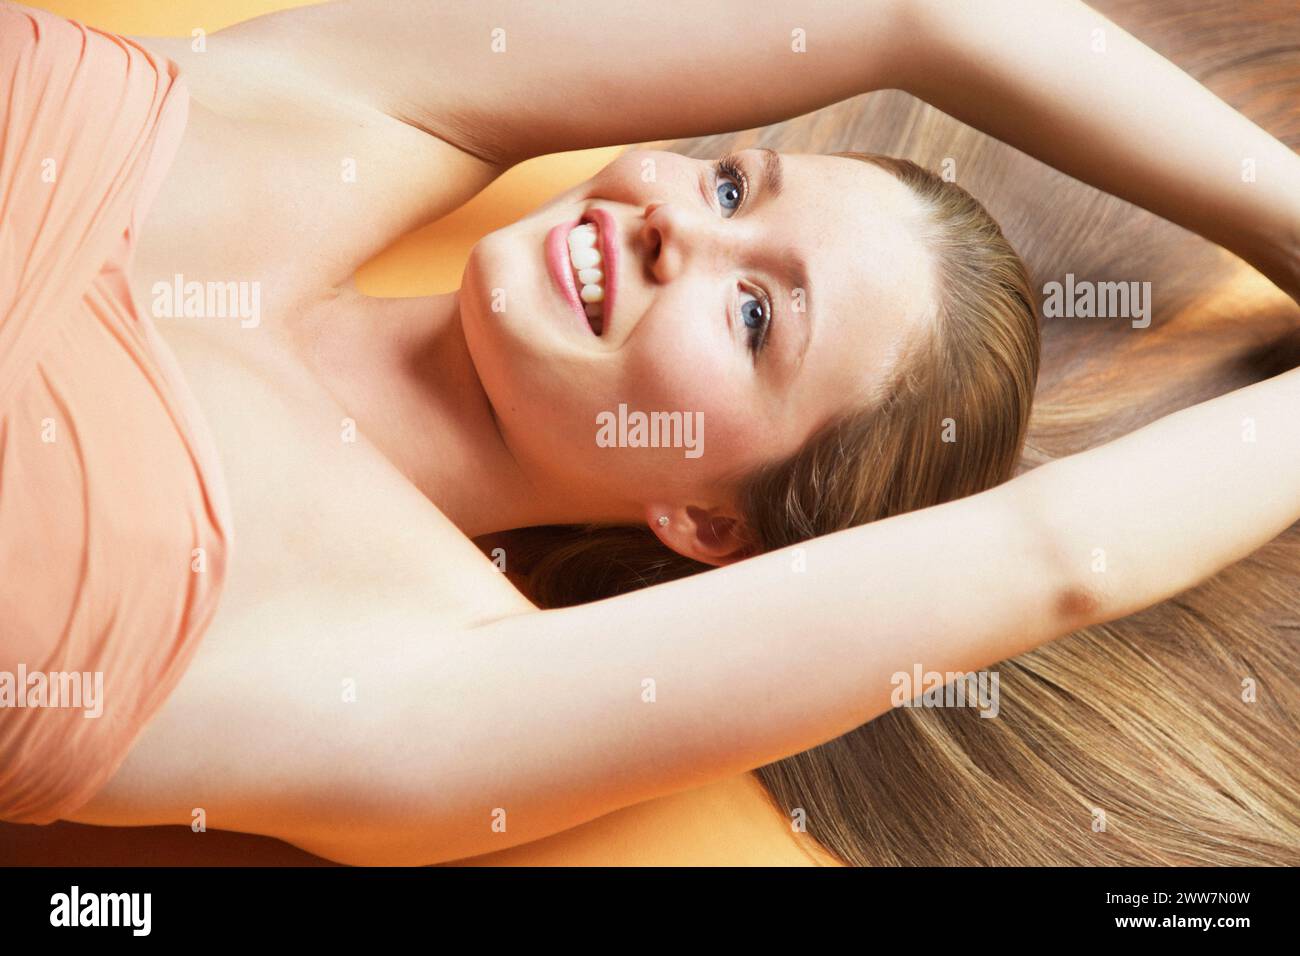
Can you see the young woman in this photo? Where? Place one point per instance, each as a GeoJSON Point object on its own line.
{"type": "Point", "coordinates": [259, 527]}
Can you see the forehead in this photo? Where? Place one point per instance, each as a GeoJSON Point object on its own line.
{"type": "Point", "coordinates": [864, 234]}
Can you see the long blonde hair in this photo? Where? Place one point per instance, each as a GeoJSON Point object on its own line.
{"type": "Point", "coordinates": [1169, 737]}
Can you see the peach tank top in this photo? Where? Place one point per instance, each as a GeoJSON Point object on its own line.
{"type": "Point", "coordinates": [114, 522]}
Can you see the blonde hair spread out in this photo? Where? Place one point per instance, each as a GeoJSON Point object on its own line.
{"type": "Point", "coordinates": [1167, 738]}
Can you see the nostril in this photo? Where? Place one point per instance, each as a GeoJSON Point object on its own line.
{"type": "Point", "coordinates": [654, 262]}
{"type": "Point", "coordinates": [650, 244]}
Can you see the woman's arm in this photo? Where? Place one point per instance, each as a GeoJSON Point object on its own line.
{"type": "Point", "coordinates": [1155, 512]}
{"type": "Point", "coordinates": [508, 79]}
{"type": "Point", "coordinates": [1059, 81]}
{"type": "Point", "coordinates": [557, 717]}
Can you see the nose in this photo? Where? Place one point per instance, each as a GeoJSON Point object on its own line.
{"type": "Point", "coordinates": [670, 235]}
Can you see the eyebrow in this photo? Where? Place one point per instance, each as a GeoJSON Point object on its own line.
{"type": "Point", "coordinates": [796, 270]}
{"type": "Point", "coordinates": [772, 171]}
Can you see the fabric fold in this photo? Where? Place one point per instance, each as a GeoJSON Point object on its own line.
{"type": "Point", "coordinates": [114, 521]}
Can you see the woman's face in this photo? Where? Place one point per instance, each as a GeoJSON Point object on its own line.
{"type": "Point", "coordinates": [758, 308]}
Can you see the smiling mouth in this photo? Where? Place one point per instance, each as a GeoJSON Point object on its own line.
{"type": "Point", "coordinates": [589, 277]}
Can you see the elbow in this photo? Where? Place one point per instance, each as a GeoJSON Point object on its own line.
{"type": "Point", "coordinates": [1078, 593]}
{"type": "Point", "coordinates": [1077, 605]}
{"type": "Point", "coordinates": [1072, 594]}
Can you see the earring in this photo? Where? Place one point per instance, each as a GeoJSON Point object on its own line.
{"type": "Point", "coordinates": [663, 521]}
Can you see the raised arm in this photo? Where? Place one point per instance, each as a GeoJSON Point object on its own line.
{"type": "Point", "coordinates": [510, 79]}
{"type": "Point", "coordinates": [1059, 81]}
{"type": "Point", "coordinates": [557, 717]}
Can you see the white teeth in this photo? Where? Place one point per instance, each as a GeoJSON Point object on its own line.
{"type": "Point", "coordinates": [584, 258]}
{"type": "Point", "coordinates": [582, 237]}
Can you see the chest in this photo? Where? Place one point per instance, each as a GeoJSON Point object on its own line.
{"type": "Point", "coordinates": [323, 525]}
{"type": "Point", "coordinates": [262, 212]}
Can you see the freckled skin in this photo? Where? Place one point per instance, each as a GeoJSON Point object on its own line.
{"type": "Point", "coordinates": [687, 260]}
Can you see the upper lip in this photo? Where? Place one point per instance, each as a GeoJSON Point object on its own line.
{"type": "Point", "coordinates": [607, 227]}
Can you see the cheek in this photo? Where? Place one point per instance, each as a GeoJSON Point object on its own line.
{"type": "Point", "coordinates": [518, 338]}
{"type": "Point", "coordinates": [534, 388]}
{"type": "Point", "coordinates": [693, 365]}
{"type": "Point", "coordinates": [491, 340]}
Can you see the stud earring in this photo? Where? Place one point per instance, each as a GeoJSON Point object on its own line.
{"type": "Point", "coordinates": [663, 521]}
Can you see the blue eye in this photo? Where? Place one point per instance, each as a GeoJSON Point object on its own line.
{"type": "Point", "coordinates": [756, 315]}
{"type": "Point", "coordinates": [731, 194]}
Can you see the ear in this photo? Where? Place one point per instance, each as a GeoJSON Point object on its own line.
{"type": "Point", "coordinates": [712, 535]}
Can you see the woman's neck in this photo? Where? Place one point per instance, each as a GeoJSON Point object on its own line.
{"type": "Point", "coordinates": [403, 372]}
